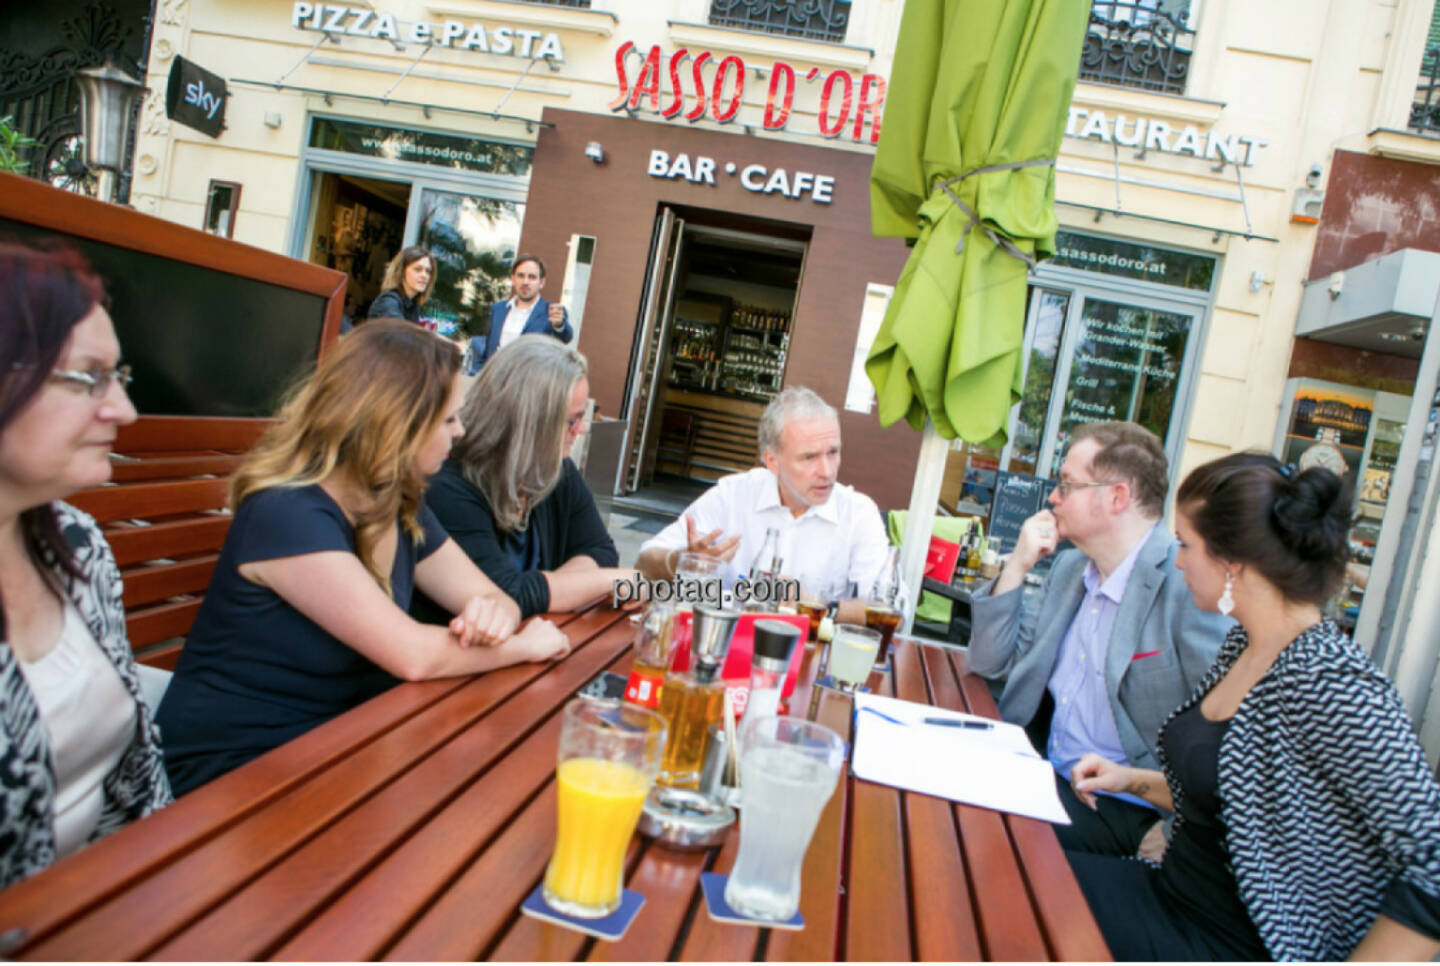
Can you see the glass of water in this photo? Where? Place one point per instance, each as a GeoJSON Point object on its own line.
{"type": "Point", "coordinates": [852, 655]}
{"type": "Point", "coordinates": [788, 769]}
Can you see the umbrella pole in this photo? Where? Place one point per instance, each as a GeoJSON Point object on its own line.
{"type": "Point", "coordinates": [929, 471]}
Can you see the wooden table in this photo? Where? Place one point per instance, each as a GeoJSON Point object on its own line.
{"type": "Point", "coordinates": [412, 827]}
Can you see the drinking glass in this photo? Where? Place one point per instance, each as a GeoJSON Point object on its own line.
{"type": "Point", "coordinates": [852, 654]}
{"type": "Point", "coordinates": [884, 611]}
{"type": "Point", "coordinates": [788, 769]}
{"type": "Point", "coordinates": [609, 754]}
{"type": "Point", "coordinates": [816, 598]}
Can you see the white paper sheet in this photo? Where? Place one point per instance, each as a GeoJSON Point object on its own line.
{"type": "Point", "coordinates": [994, 768]}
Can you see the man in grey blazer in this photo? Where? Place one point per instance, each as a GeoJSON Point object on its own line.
{"type": "Point", "coordinates": [1117, 641]}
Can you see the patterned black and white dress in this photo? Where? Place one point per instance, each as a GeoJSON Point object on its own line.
{"type": "Point", "coordinates": [137, 786]}
{"type": "Point", "coordinates": [1329, 813]}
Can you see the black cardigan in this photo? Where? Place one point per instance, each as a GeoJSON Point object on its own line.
{"type": "Point", "coordinates": [392, 304]}
{"type": "Point", "coordinates": [566, 524]}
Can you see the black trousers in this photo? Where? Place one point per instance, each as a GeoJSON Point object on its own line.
{"type": "Point", "coordinates": [1113, 827]}
{"type": "Point", "coordinates": [1137, 921]}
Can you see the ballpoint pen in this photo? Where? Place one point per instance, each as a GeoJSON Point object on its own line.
{"type": "Point", "coordinates": [960, 723]}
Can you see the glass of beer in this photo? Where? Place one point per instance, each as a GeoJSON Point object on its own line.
{"type": "Point", "coordinates": [788, 768]}
{"type": "Point", "coordinates": [852, 653]}
{"type": "Point", "coordinates": [609, 755]}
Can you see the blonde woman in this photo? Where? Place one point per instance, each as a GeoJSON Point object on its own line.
{"type": "Point", "coordinates": [509, 494]}
{"type": "Point", "coordinates": [409, 279]}
{"type": "Point", "coordinates": [306, 614]}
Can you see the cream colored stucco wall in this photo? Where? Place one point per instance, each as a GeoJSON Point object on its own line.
{"type": "Point", "coordinates": [1308, 76]}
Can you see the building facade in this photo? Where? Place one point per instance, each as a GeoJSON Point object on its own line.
{"type": "Point", "coordinates": [694, 174]}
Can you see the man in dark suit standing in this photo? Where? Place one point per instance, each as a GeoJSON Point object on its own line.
{"type": "Point", "coordinates": [525, 312]}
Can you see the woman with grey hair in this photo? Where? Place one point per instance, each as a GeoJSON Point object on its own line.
{"type": "Point", "coordinates": [509, 495]}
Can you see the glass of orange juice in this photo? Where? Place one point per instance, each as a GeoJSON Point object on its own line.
{"type": "Point", "coordinates": [609, 754]}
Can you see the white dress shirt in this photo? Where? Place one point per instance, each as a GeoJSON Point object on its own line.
{"type": "Point", "coordinates": [842, 539]}
{"type": "Point", "coordinates": [515, 321]}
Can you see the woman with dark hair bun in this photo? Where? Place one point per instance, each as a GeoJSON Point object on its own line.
{"type": "Point", "coordinates": [79, 753]}
{"type": "Point", "coordinates": [1307, 821]}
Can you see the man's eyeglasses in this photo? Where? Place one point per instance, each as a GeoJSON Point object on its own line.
{"type": "Point", "coordinates": [1065, 486]}
{"type": "Point", "coordinates": [96, 382]}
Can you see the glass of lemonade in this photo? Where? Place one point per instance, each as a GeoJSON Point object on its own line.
{"type": "Point", "coordinates": [788, 769]}
{"type": "Point", "coordinates": [609, 754]}
{"type": "Point", "coordinates": [852, 655]}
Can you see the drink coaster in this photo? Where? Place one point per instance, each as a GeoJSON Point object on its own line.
{"type": "Point", "coordinates": [828, 682]}
{"type": "Point", "coordinates": [713, 885]}
{"type": "Point", "coordinates": [609, 928]}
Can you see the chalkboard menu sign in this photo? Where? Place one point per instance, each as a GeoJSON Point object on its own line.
{"type": "Point", "coordinates": [210, 327]}
{"type": "Point", "coordinates": [1018, 497]}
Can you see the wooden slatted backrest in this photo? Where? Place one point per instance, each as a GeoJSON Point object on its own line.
{"type": "Point", "coordinates": [164, 514]}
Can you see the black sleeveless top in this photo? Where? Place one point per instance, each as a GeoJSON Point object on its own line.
{"type": "Point", "coordinates": [1196, 877]}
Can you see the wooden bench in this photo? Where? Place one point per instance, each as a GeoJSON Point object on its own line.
{"type": "Point", "coordinates": [164, 514]}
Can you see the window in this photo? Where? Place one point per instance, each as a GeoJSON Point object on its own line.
{"type": "Point", "coordinates": [810, 19]}
{"type": "Point", "coordinates": [1140, 43]}
{"type": "Point", "coordinates": [1425, 109]}
{"type": "Point", "coordinates": [221, 203]}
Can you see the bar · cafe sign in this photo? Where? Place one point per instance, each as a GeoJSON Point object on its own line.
{"type": "Point", "coordinates": [848, 105]}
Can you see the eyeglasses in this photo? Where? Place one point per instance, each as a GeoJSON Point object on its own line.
{"type": "Point", "coordinates": [96, 381]}
{"type": "Point", "coordinates": [1065, 486]}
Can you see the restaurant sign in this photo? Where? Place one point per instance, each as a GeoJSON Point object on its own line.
{"type": "Point", "coordinates": [846, 103]}
{"type": "Point", "coordinates": [1149, 134]}
{"type": "Point", "coordinates": [362, 21]}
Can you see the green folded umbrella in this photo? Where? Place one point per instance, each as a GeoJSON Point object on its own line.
{"type": "Point", "coordinates": [974, 115]}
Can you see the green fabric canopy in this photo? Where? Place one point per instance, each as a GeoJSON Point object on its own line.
{"type": "Point", "coordinates": [976, 108]}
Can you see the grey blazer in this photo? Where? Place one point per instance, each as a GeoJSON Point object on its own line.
{"type": "Point", "coordinates": [1160, 647]}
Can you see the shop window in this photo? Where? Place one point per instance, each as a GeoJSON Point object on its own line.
{"type": "Point", "coordinates": [1425, 109]}
{"type": "Point", "coordinates": [1140, 43]}
{"type": "Point", "coordinates": [810, 19]}
{"type": "Point", "coordinates": [1126, 366]}
{"type": "Point", "coordinates": [474, 239]}
{"type": "Point", "coordinates": [1029, 431]}
{"type": "Point", "coordinates": [222, 201]}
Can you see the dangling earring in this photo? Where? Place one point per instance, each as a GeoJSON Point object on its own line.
{"type": "Point", "coordinates": [1226, 603]}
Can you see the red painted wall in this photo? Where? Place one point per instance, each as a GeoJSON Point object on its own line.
{"type": "Point", "coordinates": [1374, 206]}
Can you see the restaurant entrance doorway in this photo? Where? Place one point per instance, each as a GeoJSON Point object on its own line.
{"type": "Point", "coordinates": [710, 351]}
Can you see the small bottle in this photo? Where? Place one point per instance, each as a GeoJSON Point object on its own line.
{"type": "Point", "coordinates": [774, 642]}
{"type": "Point", "coordinates": [690, 703]}
{"type": "Point", "coordinates": [976, 555]}
{"type": "Point", "coordinates": [765, 568]}
{"type": "Point", "coordinates": [654, 649]}
{"type": "Point", "coordinates": [967, 574]}
{"type": "Point", "coordinates": [693, 701]}
{"type": "Point", "coordinates": [767, 561]}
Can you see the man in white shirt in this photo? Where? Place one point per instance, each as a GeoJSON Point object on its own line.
{"type": "Point", "coordinates": [830, 534]}
{"type": "Point", "coordinates": [525, 312]}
